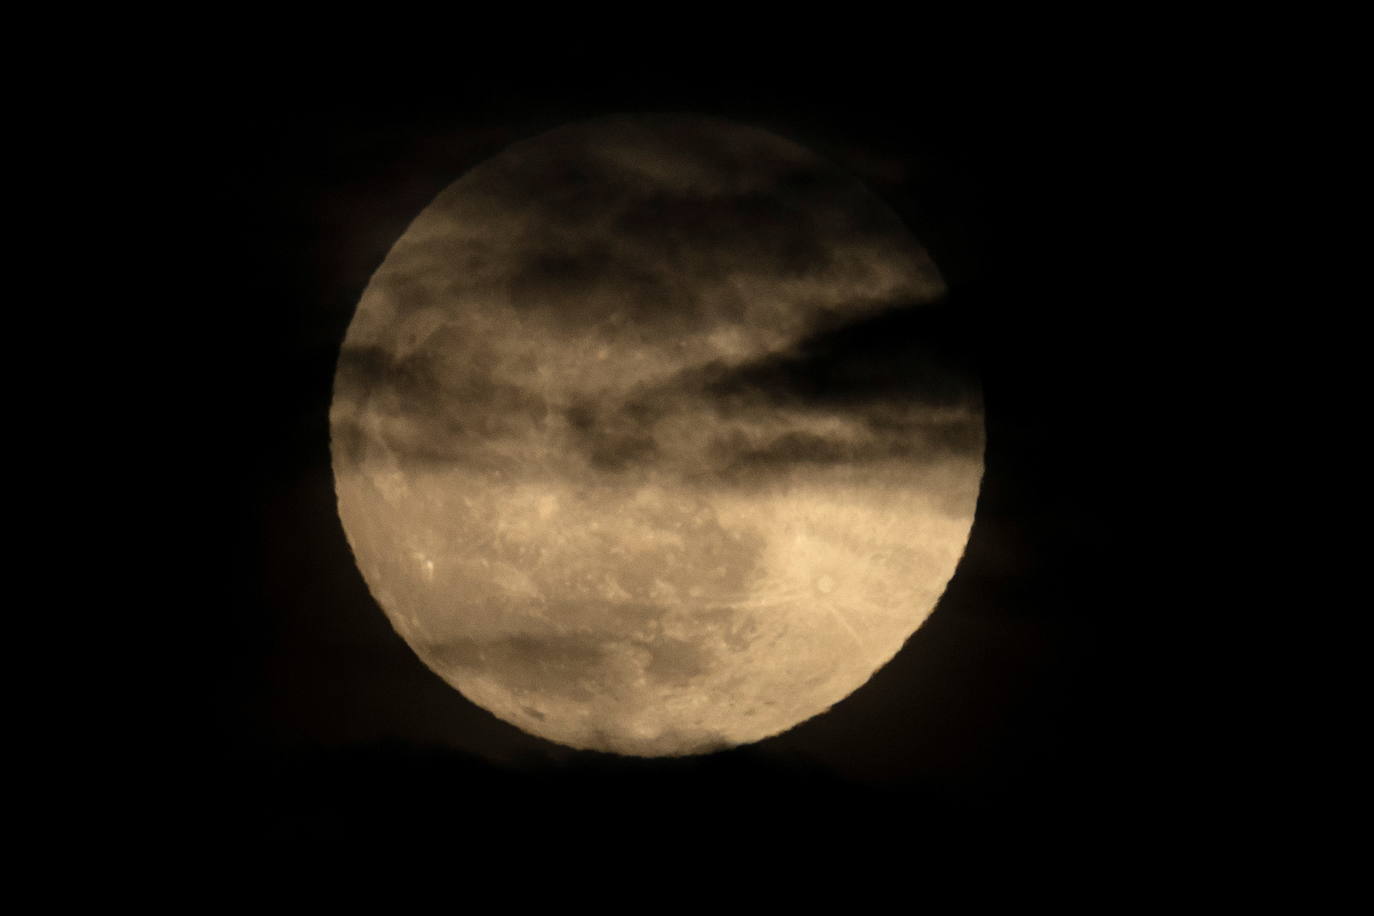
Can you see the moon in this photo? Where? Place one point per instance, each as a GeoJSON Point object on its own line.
{"type": "Point", "coordinates": [649, 438]}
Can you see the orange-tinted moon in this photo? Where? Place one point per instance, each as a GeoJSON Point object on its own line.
{"type": "Point", "coordinates": [611, 452]}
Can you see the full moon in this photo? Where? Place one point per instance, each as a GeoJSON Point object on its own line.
{"type": "Point", "coordinates": [647, 440]}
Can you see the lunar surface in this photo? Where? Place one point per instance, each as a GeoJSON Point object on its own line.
{"type": "Point", "coordinates": [648, 436]}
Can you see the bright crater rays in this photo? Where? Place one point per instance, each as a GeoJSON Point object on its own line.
{"type": "Point", "coordinates": [645, 439]}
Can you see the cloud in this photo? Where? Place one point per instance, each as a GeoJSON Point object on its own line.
{"type": "Point", "coordinates": [913, 353]}
{"type": "Point", "coordinates": [674, 296]}
{"type": "Point", "coordinates": [660, 227]}
{"type": "Point", "coordinates": [896, 386]}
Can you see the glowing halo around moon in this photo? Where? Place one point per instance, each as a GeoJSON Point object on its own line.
{"type": "Point", "coordinates": [607, 455]}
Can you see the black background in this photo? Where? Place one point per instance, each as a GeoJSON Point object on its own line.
{"type": "Point", "coordinates": [1011, 720]}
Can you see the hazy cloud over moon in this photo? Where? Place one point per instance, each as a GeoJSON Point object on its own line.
{"type": "Point", "coordinates": [617, 401]}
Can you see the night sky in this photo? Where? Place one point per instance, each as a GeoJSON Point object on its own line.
{"type": "Point", "coordinates": [1006, 719]}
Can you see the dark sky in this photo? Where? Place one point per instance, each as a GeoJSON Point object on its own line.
{"type": "Point", "coordinates": [1005, 716]}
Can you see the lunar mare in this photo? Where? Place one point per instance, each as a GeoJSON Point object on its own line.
{"type": "Point", "coordinates": [646, 437]}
